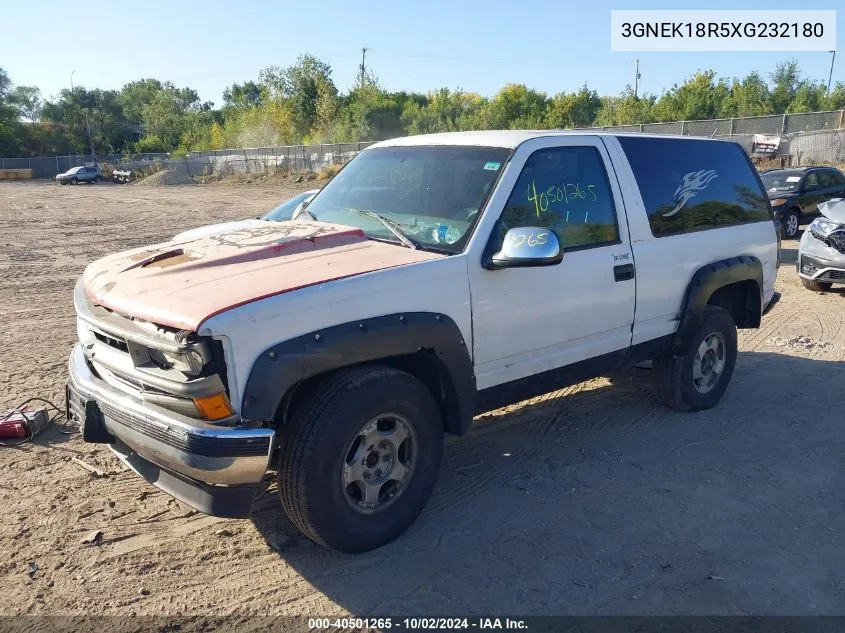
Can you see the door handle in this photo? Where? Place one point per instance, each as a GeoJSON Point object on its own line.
{"type": "Point", "coordinates": [624, 272]}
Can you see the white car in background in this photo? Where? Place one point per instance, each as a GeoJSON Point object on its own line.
{"type": "Point", "coordinates": [281, 213]}
{"type": "Point", "coordinates": [821, 252]}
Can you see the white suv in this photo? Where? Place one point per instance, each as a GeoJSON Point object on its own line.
{"type": "Point", "coordinates": [435, 277]}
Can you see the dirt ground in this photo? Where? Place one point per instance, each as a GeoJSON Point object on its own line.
{"type": "Point", "coordinates": [590, 500]}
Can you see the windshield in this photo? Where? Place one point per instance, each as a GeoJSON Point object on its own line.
{"type": "Point", "coordinates": [433, 193]}
{"type": "Point", "coordinates": [285, 210]}
{"type": "Point", "coordinates": [775, 181]}
{"type": "Point", "coordinates": [74, 170]}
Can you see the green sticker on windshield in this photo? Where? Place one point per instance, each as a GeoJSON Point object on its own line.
{"type": "Point", "coordinates": [492, 166]}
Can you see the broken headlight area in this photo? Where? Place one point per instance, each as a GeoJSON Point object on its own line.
{"type": "Point", "coordinates": [832, 234]}
{"type": "Point", "coordinates": [190, 361]}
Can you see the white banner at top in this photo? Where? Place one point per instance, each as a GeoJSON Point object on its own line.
{"type": "Point", "coordinates": [722, 30]}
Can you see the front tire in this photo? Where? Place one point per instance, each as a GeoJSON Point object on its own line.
{"type": "Point", "coordinates": [816, 286]}
{"type": "Point", "coordinates": [74, 181]}
{"type": "Point", "coordinates": [791, 224]}
{"type": "Point", "coordinates": [360, 457]}
{"type": "Point", "coordinates": [697, 379]}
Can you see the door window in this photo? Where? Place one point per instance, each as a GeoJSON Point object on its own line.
{"type": "Point", "coordinates": [812, 182]}
{"type": "Point", "coordinates": [564, 189]}
{"type": "Point", "coordinates": [828, 179]}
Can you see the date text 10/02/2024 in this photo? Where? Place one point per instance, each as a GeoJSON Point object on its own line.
{"type": "Point", "coordinates": [418, 623]}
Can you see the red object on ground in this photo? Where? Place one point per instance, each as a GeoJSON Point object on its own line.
{"type": "Point", "coordinates": [13, 428]}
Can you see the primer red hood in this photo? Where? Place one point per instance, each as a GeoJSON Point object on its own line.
{"type": "Point", "coordinates": [183, 283]}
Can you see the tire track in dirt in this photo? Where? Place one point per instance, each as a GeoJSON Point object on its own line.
{"type": "Point", "coordinates": [755, 340]}
{"type": "Point", "coordinates": [557, 418]}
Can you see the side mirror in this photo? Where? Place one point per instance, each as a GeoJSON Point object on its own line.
{"type": "Point", "coordinates": [527, 246]}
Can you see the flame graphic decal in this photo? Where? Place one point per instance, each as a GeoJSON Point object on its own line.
{"type": "Point", "coordinates": [694, 182]}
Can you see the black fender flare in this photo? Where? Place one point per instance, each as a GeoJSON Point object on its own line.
{"type": "Point", "coordinates": [704, 283]}
{"type": "Point", "coordinates": [283, 366]}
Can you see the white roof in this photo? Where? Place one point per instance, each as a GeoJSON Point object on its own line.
{"type": "Point", "coordinates": [507, 138]}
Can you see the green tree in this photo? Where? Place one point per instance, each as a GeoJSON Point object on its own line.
{"type": "Point", "coordinates": [747, 97]}
{"type": "Point", "coordinates": [786, 80]}
{"type": "Point", "coordinates": [626, 109]}
{"type": "Point", "coordinates": [308, 86]}
{"type": "Point", "coordinates": [10, 129]}
{"type": "Point", "coordinates": [808, 97]}
{"type": "Point", "coordinates": [169, 115]}
{"type": "Point", "coordinates": [573, 110]}
{"type": "Point", "coordinates": [246, 95]}
{"type": "Point", "coordinates": [514, 107]}
{"type": "Point", "coordinates": [835, 99]}
{"type": "Point", "coordinates": [28, 102]}
{"type": "Point", "coordinates": [135, 95]}
{"type": "Point", "coordinates": [699, 97]}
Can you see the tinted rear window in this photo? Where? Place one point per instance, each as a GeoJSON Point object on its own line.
{"type": "Point", "coordinates": [692, 186]}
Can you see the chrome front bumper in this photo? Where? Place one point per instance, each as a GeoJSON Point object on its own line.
{"type": "Point", "coordinates": [211, 469]}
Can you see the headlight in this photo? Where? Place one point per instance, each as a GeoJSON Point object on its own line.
{"type": "Point", "coordinates": [823, 226]}
{"type": "Point", "coordinates": [190, 361]}
{"type": "Point", "coordinates": [778, 202]}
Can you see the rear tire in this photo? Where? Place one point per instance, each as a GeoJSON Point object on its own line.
{"type": "Point", "coordinates": [351, 429]}
{"type": "Point", "coordinates": [816, 286]}
{"type": "Point", "coordinates": [697, 379]}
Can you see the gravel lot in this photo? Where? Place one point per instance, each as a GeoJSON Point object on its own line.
{"type": "Point", "coordinates": [590, 500]}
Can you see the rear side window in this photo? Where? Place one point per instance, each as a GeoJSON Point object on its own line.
{"type": "Point", "coordinates": [829, 179]}
{"type": "Point", "coordinates": [690, 186]}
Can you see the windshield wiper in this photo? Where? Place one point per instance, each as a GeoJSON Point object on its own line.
{"type": "Point", "coordinates": [303, 210]}
{"type": "Point", "coordinates": [390, 225]}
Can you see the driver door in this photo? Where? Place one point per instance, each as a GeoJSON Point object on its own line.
{"type": "Point", "coordinates": [535, 319]}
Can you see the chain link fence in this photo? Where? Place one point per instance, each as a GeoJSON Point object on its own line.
{"type": "Point", "coordinates": [804, 138]}
{"type": "Point", "coordinates": [49, 166]}
{"type": "Point", "coordinates": [272, 159]}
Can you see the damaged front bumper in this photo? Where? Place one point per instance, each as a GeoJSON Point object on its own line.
{"type": "Point", "coordinates": [214, 470]}
{"type": "Point", "coordinates": [819, 262]}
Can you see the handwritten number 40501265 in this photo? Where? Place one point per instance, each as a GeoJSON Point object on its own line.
{"type": "Point", "coordinates": [556, 193]}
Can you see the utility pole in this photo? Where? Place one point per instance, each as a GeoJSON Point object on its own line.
{"type": "Point", "coordinates": [830, 76]}
{"type": "Point", "coordinates": [71, 81]}
{"type": "Point", "coordinates": [363, 65]}
{"type": "Point", "coordinates": [90, 140]}
{"type": "Point", "coordinates": [637, 79]}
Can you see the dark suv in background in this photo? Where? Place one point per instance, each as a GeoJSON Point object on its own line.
{"type": "Point", "coordinates": [795, 193]}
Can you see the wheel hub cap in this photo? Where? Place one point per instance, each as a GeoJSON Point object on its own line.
{"type": "Point", "coordinates": [379, 463]}
{"type": "Point", "coordinates": [709, 362]}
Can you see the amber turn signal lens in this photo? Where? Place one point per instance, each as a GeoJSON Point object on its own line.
{"type": "Point", "coordinates": [214, 407]}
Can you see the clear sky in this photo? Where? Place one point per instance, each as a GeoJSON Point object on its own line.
{"type": "Point", "coordinates": [419, 45]}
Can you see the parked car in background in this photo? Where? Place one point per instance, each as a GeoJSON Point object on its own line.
{"type": "Point", "coordinates": [821, 252]}
{"type": "Point", "coordinates": [281, 213]}
{"type": "Point", "coordinates": [796, 192]}
{"type": "Point", "coordinates": [75, 175]}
